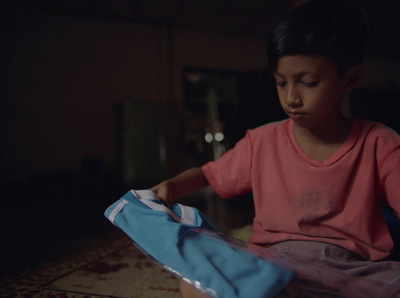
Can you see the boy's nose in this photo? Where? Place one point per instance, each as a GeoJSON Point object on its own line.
{"type": "Point", "coordinates": [293, 98]}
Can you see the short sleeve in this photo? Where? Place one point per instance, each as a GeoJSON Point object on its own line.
{"type": "Point", "coordinates": [390, 179]}
{"type": "Point", "coordinates": [230, 175]}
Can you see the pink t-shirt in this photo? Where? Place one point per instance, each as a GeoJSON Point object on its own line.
{"type": "Point", "coordinates": [338, 201]}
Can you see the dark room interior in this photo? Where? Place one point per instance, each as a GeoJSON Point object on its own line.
{"type": "Point", "coordinates": [98, 97]}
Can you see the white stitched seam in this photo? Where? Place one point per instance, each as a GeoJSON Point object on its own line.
{"type": "Point", "coordinates": [117, 210]}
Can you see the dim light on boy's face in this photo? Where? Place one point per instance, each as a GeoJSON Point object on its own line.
{"type": "Point", "coordinates": [310, 90]}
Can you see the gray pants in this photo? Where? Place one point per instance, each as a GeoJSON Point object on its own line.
{"type": "Point", "coordinates": [326, 270]}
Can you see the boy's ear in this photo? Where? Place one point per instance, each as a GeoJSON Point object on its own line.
{"type": "Point", "coordinates": [353, 77]}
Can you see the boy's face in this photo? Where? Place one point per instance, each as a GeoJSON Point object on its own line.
{"type": "Point", "coordinates": [310, 90]}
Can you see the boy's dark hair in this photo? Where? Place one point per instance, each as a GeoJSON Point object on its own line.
{"type": "Point", "coordinates": [337, 30]}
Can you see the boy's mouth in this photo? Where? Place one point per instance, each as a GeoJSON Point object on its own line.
{"type": "Point", "coordinates": [296, 113]}
{"type": "Point", "coordinates": [296, 116]}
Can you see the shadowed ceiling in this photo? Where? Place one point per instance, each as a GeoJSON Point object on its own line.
{"type": "Point", "coordinates": [254, 18]}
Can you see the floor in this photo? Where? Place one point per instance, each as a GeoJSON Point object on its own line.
{"type": "Point", "coordinates": [42, 229]}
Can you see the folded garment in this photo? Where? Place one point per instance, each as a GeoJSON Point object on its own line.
{"type": "Point", "coordinates": [187, 244]}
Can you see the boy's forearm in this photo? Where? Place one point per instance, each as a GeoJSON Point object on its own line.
{"type": "Point", "coordinates": [188, 182]}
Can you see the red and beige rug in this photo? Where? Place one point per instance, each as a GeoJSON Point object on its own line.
{"type": "Point", "coordinates": [114, 268]}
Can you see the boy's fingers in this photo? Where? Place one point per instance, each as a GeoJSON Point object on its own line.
{"type": "Point", "coordinates": [162, 195]}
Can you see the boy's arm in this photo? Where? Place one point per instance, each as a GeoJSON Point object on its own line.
{"type": "Point", "coordinates": [187, 182]}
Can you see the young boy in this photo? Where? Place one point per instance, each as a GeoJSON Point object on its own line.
{"type": "Point", "coordinates": [320, 181]}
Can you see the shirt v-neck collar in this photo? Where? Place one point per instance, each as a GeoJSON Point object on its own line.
{"type": "Point", "coordinates": [346, 146]}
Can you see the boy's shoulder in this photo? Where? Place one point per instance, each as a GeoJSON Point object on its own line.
{"type": "Point", "coordinates": [377, 132]}
{"type": "Point", "coordinates": [376, 128]}
{"type": "Point", "coordinates": [270, 127]}
{"type": "Point", "coordinates": [273, 130]}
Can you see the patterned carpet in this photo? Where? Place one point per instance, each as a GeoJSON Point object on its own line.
{"type": "Point", "coordinates": [93, 267]}
{"type": "Point", "coordinates": [114, 268]}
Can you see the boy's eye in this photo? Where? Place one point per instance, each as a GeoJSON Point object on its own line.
{"type": "Point", "coordinates": [281, 84]}
{"type": "Point", "coordinates": [311, 84]}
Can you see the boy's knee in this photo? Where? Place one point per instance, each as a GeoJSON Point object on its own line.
{"type": "Point", "coordinates": [189, 291]}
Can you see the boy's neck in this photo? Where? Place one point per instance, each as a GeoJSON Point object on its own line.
{"type": "Point", "coordinates": [322, 142]}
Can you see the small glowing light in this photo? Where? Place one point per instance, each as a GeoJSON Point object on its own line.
{"type": "Point", "coordinates": [219, 136]}
{"type": "Point", "coordinates": [208, 137]}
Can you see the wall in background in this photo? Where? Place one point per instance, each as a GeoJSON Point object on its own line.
{"type": "Point", "coordinates": [62, 78]}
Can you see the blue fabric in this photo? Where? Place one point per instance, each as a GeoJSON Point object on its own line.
{"type": "Point", "coordinates": [198, 253]}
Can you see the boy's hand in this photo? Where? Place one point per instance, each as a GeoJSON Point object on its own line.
{"type": "Point", "coordinates": [185, 183]}
{"type": "Point", "coordinates": [164, 192]}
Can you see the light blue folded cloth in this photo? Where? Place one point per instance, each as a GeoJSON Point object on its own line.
{"type": "Point", "coordinates": [189, 245]}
